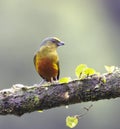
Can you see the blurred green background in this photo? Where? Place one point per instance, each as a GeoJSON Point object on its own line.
{"type": "Point", "coordinates": [91, 32]}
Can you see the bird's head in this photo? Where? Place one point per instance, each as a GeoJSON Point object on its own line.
{"type": "Point", "coordinates": [52, 42]}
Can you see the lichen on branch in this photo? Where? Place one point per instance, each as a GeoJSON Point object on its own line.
{"type": "Point", "coordinates": [20, 99]}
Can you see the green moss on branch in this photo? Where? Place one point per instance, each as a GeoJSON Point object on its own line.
{"type": "Point", "coordinates": [22, 99]}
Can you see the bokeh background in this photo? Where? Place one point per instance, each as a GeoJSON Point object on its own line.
{"type": "Point", "coordinates": [91, 32]}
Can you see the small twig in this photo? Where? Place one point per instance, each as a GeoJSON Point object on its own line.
{"type": "Point", "coordinates": [86, 111]}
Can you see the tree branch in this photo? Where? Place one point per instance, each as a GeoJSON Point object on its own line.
{"type": "Point", "coordinates": [20, 99]}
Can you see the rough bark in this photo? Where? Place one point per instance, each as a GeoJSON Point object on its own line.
{"type": "Point", "coordinates": [20, 99]}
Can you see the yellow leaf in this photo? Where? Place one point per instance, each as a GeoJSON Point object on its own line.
{"type": "Point", "coordinates": [65, 80]}
{"type": "Point", "coordinates": [89, 71]}
{"type": "Point", "coordinates": [109, 69]}
{"type": "Point", "coordinates": [79, 69]}
{"type": "Point", "coordinates": [40, 111]}
{"type": "Point", "coordinates": [82, 76]}
{"type": "Point", "coordinates": [71, 121]}
{"type": "Point", "coordinates": [103, 79]}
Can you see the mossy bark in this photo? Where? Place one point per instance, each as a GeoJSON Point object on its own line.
{"type": "Point", "coordinates": [20, 99]}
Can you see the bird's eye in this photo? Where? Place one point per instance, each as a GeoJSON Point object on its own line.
{"type": "Point", "coordinates": [54, 41]}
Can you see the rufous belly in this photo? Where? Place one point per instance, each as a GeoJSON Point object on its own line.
{"type": "Point", "coordinates": [47, 68]}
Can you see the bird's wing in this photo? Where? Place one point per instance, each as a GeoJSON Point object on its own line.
{"type": "Point", "coordinates": [58, 70]}
{"type": "Point", "coordinates": [34, 59]}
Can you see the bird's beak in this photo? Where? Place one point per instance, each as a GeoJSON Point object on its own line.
{"type": "Point", "coordinates": [60, 43]}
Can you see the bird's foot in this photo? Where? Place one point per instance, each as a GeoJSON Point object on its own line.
{"type": "Point", "coordinates": [54, 81]}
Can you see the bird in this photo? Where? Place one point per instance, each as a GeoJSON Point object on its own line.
{"type": "Point", "coordinates": [46, 59]}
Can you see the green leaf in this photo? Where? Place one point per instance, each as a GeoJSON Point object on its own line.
{"type": "Point", "coordinates": [109, 69]}
{"type": "Point", "coordinates": [71, 121]}
{"type": "Point", "coordinates": [65, 80]}
{"type": "Point", "coordinates": [89, 71]}
{"type": "Point", "coordinates": [79, 69]}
